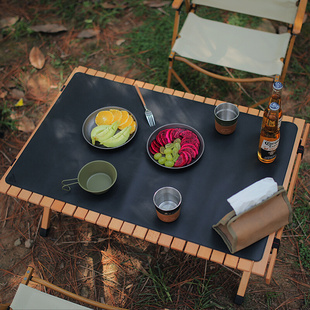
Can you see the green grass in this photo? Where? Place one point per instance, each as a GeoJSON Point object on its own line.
{"type": "Point", "coordinates": [161, 284]}
{"type": "Point", "coordinates": [301, 215]}
{"type": "Point", "coordinates": [82, 14]}
{"type": "Point", "coordinates": [6, 122]}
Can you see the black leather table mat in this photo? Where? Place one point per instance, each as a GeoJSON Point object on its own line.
{"type": "Point", "coordinates": [58, 150]}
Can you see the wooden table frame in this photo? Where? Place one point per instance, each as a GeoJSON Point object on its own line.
{"type": "Point", "coordinates": [264, 267]}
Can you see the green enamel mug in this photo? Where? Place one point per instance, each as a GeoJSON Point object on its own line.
{"type": "Point", "coordinates": [95, 177]}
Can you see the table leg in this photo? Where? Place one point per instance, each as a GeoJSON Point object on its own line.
{"type": "Point", "coordinates": [45, 224]}
{"type": "Point", "coordinates": [242, 287]}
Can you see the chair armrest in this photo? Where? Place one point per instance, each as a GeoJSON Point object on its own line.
{"type": "Point", "coordinates": [299, 16]}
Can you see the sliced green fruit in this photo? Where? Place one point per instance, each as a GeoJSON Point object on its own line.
{"type": "Point", "coordinates": [107, 133]}
{"type": "Point", "coordinates": [97, 130]}
{"type": "Point", "coordinates": [118, 139]}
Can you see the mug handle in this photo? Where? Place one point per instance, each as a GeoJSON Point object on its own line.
{"type": "Point", "coordinates": [66, 185]}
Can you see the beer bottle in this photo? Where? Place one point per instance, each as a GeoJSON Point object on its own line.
{"type": "Point", "coordinates": [270, 134]}
{"type": "Point", "coordinates": [276, 97]}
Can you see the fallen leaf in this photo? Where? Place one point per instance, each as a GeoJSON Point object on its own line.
{"type": "Point", "coordinates": [20, 103]}
{"type": "Point", "coordinates": [120, 42]}
{"type": "Point", "coordinates": [37, 58]}
{"type": "Point", "coordinates": [107, 5]}
{"type": "Point", "coordinates": [38, 87]}
{"type": "Point", "coordinates": [8, 21]}
{"type": "Point", "coordinates": [16, 93]}
{"type": "Point", "coordinates": [23, 123]}
{"type": "Point", "coordinates": [3, 94]}
{"type": "Point", "coordinates": [10, 84]}
{"type": "Point", "coordinates": [49, 28]}
{"type": "Point", "coordinates": [88, 33]}
{"type": "Point", "coordinates": [155, 4]}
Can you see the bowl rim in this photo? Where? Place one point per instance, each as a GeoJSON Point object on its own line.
{"type": "Point", "coordinates": [97, 162]}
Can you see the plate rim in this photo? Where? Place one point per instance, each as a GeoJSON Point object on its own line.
{"type": "Point", "coordinates": [95, 112]}
{"type": "Point", "coordinates": [202, 144]}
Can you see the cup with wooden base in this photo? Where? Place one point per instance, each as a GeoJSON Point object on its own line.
{"type": "Point", "coordinates": [226, 117]}
{"type": "Point", "coordinates": [167, 201]}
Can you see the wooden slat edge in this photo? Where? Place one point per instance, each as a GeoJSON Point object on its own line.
{"type": "Point", "coordinates": [139, 232]}
{"type": "Point", "coordinates": [14, 191]}
{"type": "Point", "coordinates": [58, 205]}
{"type": "Point", "coordinates": [92, 217]}
{"type": "Point", "coordinates": [259, 268]}
{"type": "Point", "coordinates": [68, 209]}
{"type": "Point", "coordinates": [300, 123]}
{"type": "Point", "coordinates": [178, 244]}
{"type": "Point", "coordinates": [231, 261]}
{"type": "Point", "coordinates": [46, 202]}
{"type": "Point", "coordinates": [127, 228]}
{"type": "Point", "coordinates": [115, 224]}
{"type": "Point", "coordinates": [80, 213]}
{"type": "Point", "coordinates": [4, 187]}
{"type": "Point", "coordinates": [245, 264]}
{"type": "Point", "coordinates": [90, 71]}
{"type": "Point", "coordinates": [152, 236]}
{"type": "Point", "coordinates": [191, 248]}
{"type": "Point", "coordinates": [217, 257]}
{"type": "Point", "coordinates": [35, 198]}
{"type": "Point", "coordinates": [165, 240]}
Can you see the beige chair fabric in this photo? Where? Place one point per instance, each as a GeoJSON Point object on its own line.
{"type": "Point", "coordinates": [232, 46]}
{"type": "Point", "coordinates": [280, 10]}
{"type": "Point", "coordinates": [264, 55]}
{"type": "Point", "coordinates": [27, 298]}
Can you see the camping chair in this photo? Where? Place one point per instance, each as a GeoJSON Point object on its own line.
{"type": "Point", "coordinates": [263, 53]}
{"type": "Point", "coordinates": [27, 297]}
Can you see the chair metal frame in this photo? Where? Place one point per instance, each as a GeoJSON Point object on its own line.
{"type": "Point", "coordinates": [294, 29]}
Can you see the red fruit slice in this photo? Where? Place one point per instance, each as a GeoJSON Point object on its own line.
{"type": "Point", "coordinates": [154, 147]}
{"type": "Point", "coordinates": [187, 134]}
{"type": "Point", "coordinates": [191, 146]}
{"type": "Point", "coordinates": [192, 140]}
{"type": "Point", "coordinates": [177, 133]}
{"type": "Point", "coordinates": [159, 138]}
{"type": "Point", "coordinates": [171, 134]}
{"type": "Point", "coordinates": [190, 151]}
{"type": "Point", "coordinates": [152, 150]}
{"type": "Point", "coordinates": [155, 144]}
{"type": "Point", "coordinates": [181, 161]}
{"type": "Point", "coordinates": [168, 135]}
{"type": "Point", "coordinates": [164, 136]}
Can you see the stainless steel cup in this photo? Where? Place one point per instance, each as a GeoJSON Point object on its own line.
{"type": "Point", "coordinates": [226, 116]}
{"type": "Point", "coordinates": [167, 201]}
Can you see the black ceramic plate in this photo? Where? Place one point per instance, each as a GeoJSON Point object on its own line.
{"type": "Point", "coordinates": [89, 124]}
{"type": "Point", "coordinates": [171, 126]}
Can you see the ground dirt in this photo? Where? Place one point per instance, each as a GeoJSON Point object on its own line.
{"type": "Point", "coordinates": [93, 261]}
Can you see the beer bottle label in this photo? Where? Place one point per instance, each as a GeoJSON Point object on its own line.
{"type": "Point", "coordinates": [279, 122]}
{"type": "Point", "coordinates": [270, 145]}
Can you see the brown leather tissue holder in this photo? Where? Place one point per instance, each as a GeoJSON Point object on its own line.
{"type": "Point", "coordinates": [240, 231]}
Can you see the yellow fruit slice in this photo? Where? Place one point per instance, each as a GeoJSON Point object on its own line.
{"type": "Point", "coordinates": [127, 123]}
{"type": "Point", "coordinates": [133, 127]}
{"type": "Point", "coordinates": [104, 118]}
{"type": "Point", "coordinates": [117, 114]}
{"type": "Point", "coordinates": [124, 119]}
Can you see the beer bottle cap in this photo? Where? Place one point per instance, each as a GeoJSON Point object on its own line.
{"type": "Point", "coordinates": [277, 85]}
{"type": "Point", "coordinates": [274, 106]}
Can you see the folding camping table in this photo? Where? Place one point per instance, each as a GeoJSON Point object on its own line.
{"type": "Point", "coordinates": [57, 150]}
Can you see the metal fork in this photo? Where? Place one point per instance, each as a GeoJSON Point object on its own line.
{"type": "Point", "coordinates": [148, 114]}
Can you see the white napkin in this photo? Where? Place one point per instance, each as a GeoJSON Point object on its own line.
{"type": "Point", "coordinates": [253, 195]}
